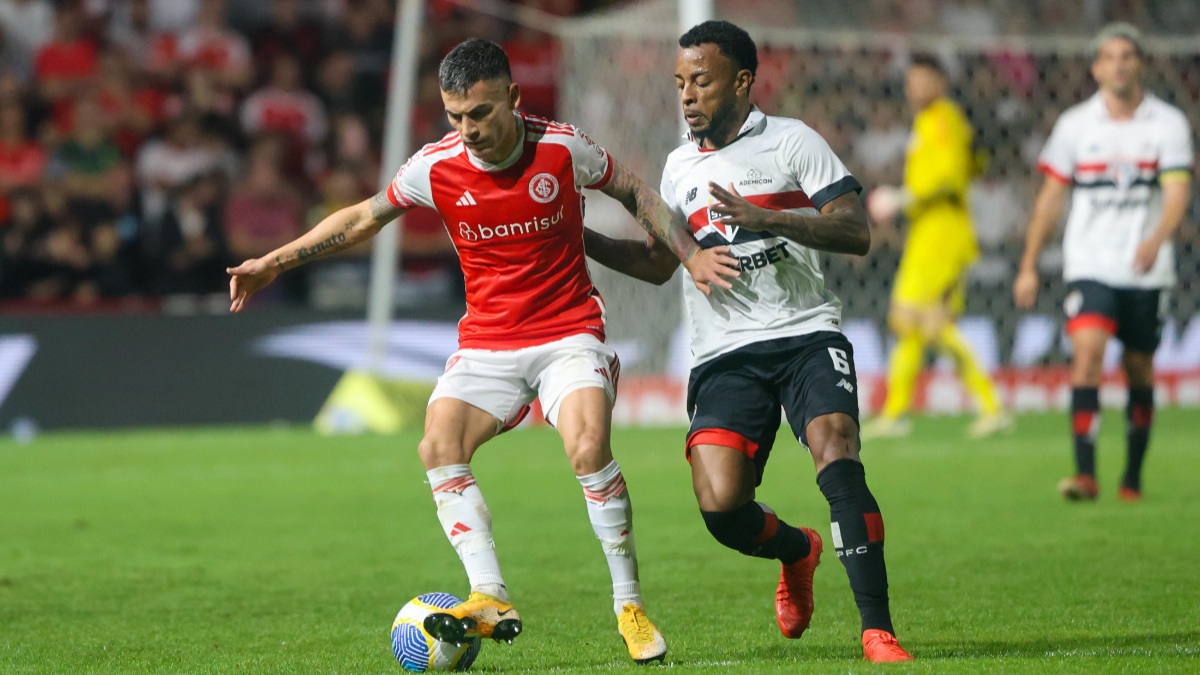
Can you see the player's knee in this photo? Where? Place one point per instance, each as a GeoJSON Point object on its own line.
{"type": "Point", "coordinates": [589, 451]}
{"type": "Point", "coordinates": [832, 437]}
{"type": "Point", "coordinates": [901, 321]}
{"type": "Point", "coordinates": [726, 527]}
{"type": "Point", "coordinates": [438, 450]}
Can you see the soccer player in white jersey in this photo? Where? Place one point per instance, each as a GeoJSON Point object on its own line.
{"type": "Point", "coordinates": [508, 187]}
{"type": "Point", "coordinates": [772, 190]}
{"type": "Point", "coordinates": [1127, 158]}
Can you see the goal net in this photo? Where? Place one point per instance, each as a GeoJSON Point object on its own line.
{"type": "Point", "coordinates": [617, 84]}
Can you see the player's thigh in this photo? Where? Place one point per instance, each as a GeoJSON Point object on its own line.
{"type": "Point", "coordinates": [584, 422]}
{"type": "Point", "coordinates": [454, 430]}
{"type": "Point", "coordinates": [480, 395]}
{"type": "Point", "coordinates": [734, 407]}
{"type": "Point", "coordinates": [576, 380]}
{"type": "Point", "coordinates": [1141, 314]}
{"type": "Point", "coordinates": [723, 478]}
{"type": "Point", "coordinates": [1092, 318]}
{"type": "Point", "coordinates": [819, 382]}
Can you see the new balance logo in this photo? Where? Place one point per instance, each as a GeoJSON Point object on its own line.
{"type": "Point", "coordinates": [846, 385]}
{"type": "Point", "coordinates": [458, 529]}
{"type": "Point", "coordinates": [466, 200]}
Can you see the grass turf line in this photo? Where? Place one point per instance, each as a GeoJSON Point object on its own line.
{"type": "Point", "coordinates": [278, 551]}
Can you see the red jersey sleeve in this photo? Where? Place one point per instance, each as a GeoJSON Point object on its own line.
{"type": "Point", "coordinates": [411, 187]}
{"type": "Point", "coordinates": [592, 163]}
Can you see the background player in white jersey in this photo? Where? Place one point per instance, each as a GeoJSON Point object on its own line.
{"type": "Point", "coordinates": [772, 190]}
{"type": "Point", "coordinates": [1128, 158]}
{"type": "Point", "coordinates": [509, 187]}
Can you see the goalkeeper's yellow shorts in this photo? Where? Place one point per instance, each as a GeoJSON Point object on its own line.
{"type": "Point", "coordinates": [933, 269]}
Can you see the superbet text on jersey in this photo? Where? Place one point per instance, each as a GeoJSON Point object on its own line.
{"type": "Point", "coordinates": [518, 229]}
{"type": "Point", "coordinates": [776, 163]}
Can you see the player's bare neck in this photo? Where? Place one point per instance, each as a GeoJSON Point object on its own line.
{"type": "Point", "coordinates": [720, 138]}
{"type": "Point", "coordinates": [1123, 107]}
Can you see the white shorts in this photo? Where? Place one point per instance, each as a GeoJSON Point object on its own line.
{"type": "Point", "coordinates": [504, 383]}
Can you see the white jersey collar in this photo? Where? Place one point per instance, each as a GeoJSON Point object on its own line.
{"type": "Point", "coordinates": [1143, 111]}
{"type": "Point", "coordinates": [512, 156]}
{"type": "Point", "coordinates": [753, 120]}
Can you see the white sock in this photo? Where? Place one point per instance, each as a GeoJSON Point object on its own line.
{"type": "Point", "coordinates": [468, 525]}
{"type": "Point", "coordinates": [611, 513]}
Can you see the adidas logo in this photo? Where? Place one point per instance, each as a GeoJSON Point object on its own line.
{"type": "Point", "coordinates": [846, 385]}
{"type": "Point", "coordinates": [458, 529]}
{"type": "Point", "coordinates": [466, 200]}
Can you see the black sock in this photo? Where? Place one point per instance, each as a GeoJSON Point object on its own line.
{"type": "Point", "coordinates": [1085, 424]}
{"type": "Point", "coordinates": [755, 531]}
{"type": "Point", "coordinates": [1139, 415]}
{"type": "Point", "coordinates": [858, 539]}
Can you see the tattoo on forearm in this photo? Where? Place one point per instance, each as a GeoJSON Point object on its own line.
{"type": "Point", "coordinates": [321, 249]}
{"type": "Point", "coordinates": [382, 208]}
{"type": "Point", "coordinates": [842, 230]}
{"type": "Point", "coordinates": [651, 213]}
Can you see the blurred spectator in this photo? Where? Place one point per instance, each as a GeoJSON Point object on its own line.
{"type": "Point", "coordinates": [264, 212]}
{"type": "Point", "coordinates": [335, 82]}
{"type": "Point", "coordinates": [192, 257]}
{"type": "Point", "coordinates": [21, 160]}
{"type": "Point", "coordinates": [341, 188]}
{"type": "Point", "coordinates": [212, 47]}
{"type": "Point", "coordinates": [65, 65]}
{"type": "Point", "coordinates": [284, 106]}
{"type": "Point", "coordinates": [89, 167]}
{"type": "Point", "coordinates": [130, 29]}
{"type": "Point", "coordinates": [368, 43]}
{"type": "Point", "coordinates": [178, 158]}
{"type": "Point", "coordinates": [20, 241]}
{"type": "Point", "coordinates": [289, 32]}
{"type": "Point", "coordinates": [173, 15]}
{"type": "Point", "coordinates": [27, 24]}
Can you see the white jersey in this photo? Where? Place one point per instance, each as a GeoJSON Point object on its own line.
{"type": "Point", "coordinates": [1116, 203]}
{"type": "Point", "coordinates": [777, 163]}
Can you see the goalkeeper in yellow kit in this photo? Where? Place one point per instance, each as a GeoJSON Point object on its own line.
{"type": "Point", "coordinates": [930, 287]}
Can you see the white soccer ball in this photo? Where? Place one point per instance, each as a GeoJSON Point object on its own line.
{"type": "Point", "coordinates": [417, 650]}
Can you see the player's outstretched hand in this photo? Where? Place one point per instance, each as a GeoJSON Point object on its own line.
{"type": "Point", "coordinates": [711, 266]}
{"type": "Point", "coordinates": [1147, 254]}
{"type": "Point", "coordinates": [1025, 288]}
{"type": "Point", "coordinates": [735, 210]}
{"type": "Point", "coordinates": [246, 279]}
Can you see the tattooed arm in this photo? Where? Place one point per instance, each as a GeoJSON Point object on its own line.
{"type": "Point", "coordinates": [341, 230]}
{"type": "Point", "coordinates": [707, 266]}
{"type": "Point", "coordinates": [650, 261]}
{"type": "Point", "coordinates": [841, 227]}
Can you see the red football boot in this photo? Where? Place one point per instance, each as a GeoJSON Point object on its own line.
{"type": "Point", "coordinates": [1080, 487]}
{"type": "Point", "coordinates": [880, 646]}
{"type": "Point", "coordinates": [794, 596]}
{"type": "Point", "coordinates": [1128, 494]}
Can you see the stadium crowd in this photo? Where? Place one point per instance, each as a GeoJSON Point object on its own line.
{"type": "Point", "coordinates": [147, 144]}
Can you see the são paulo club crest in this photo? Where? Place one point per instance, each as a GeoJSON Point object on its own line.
{"type": "Point", "coordinates": [543, 188]}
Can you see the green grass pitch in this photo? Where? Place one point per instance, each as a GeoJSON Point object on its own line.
{"type": "Point", "coordinates": [278, 551]}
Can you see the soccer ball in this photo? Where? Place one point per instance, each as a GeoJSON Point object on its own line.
{"type": "Point", "coordinates": [417, 650]}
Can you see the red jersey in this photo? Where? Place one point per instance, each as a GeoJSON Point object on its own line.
{"type": "Point", "coordinates": [518, 229]}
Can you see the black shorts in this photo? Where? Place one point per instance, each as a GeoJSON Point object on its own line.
{"type": "Point", "coordinates": [735, 399]}
{"type": "Point", "coordinates": [1134, 315]}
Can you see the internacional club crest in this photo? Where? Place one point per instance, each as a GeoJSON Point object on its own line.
{"type": "Point", "coordinates": [543, 188]}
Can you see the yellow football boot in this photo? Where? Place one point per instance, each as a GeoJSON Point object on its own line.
{"type": "Point", "coordinates": [481, 616]}
{"type": "Point", "coordinates": [644, 641]}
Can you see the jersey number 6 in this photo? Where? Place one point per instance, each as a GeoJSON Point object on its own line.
{"type": "Point", "coordinates": [841, 362]}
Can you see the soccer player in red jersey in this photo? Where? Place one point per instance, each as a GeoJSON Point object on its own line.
{"type": "Point", "coordinates": [508, 186]}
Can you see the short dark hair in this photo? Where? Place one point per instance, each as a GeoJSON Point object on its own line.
{"type": "Point", "coordinates": [730, 40]}
{"type": "Point", "coordinates": [473, 60]}
{"type": "Point", "coordinates": [929, 61]}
